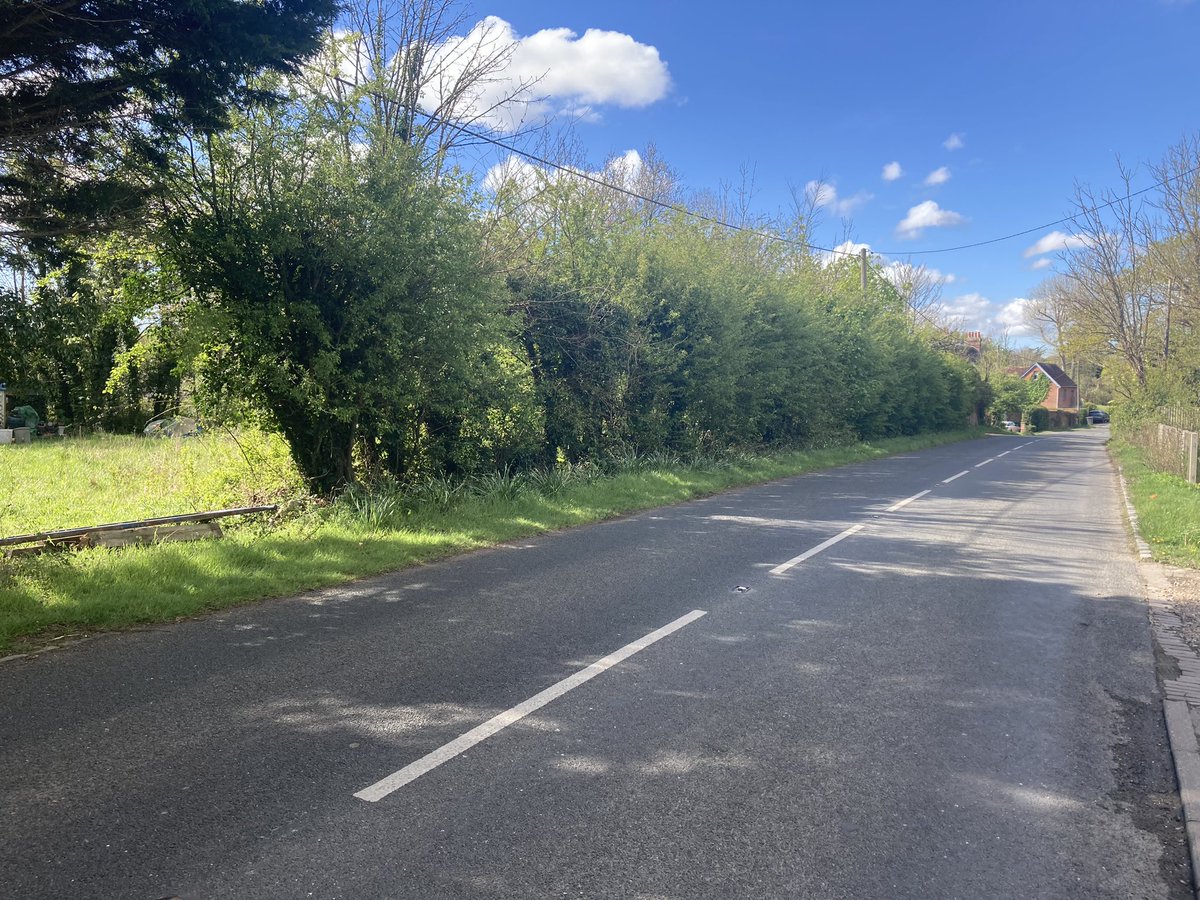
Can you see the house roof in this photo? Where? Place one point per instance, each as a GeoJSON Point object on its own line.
{"type": "Point", "coordinates": [1054, 373]}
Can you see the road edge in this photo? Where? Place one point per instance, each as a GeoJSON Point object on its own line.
{"type": "Point", "coordinates": [1180, 694]}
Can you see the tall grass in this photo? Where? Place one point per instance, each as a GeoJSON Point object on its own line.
{"type": "Point", "coordinates": [1168, 507]}
{"type": "Point", "coordinates": [366, 530]}
{"type": "Point", "coordinates": [69, 483]}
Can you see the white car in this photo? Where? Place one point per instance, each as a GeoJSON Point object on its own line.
{"type": "Point", "coordinates": [1010, 426]}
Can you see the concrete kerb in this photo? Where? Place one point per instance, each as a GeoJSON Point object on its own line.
{"type": "Point", "coordinates": [1142, 547]}
{"type": "Point", "coordinates": [1181, 695]}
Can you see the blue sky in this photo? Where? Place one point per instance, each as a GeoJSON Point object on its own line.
{"type": "Point", "coordinates": [1040, 95]}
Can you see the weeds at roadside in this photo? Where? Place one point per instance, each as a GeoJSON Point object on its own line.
{"type": "Point", "coordinates": [1168, 507]}
{"type": "Point", "coordinates": [386, 525]}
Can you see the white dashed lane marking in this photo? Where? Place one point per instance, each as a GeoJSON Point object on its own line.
{"type": "Point", "coordinates": [447, 752]}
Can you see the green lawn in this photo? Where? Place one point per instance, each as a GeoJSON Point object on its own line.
{"type": "Point", "coordinates": [53, 484]}
{"type": "Point", "coordinates": [85, 482]}
{"type": "Point", "coordinates": [1168, 508]}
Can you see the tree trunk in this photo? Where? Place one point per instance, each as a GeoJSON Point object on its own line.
{"type": "Point", "coordinates": [323, 449]}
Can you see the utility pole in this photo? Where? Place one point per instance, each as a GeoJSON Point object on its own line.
{"type": "Point", "coordinates": [1167, 340]}
{"type": "Point", "coordinates": [862, 270]}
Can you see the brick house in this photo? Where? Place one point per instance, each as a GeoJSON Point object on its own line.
{"type": "Point", "coordinates": [1063, 397]}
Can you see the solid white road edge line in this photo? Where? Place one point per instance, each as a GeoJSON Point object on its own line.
{"type": "Point", "coordinates": [904, 503]}
{"type": "Point", "coordinates": [959, 475]}
{"type": "Point", "coordinates": [808, 554]}
{"type": "Point", "coordinates": [446, 752]}
{"type": "Point", "coordinates": [985, 462]}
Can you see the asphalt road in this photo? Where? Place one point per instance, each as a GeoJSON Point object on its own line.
{"type": "Point", "coordinates": [955, 700]}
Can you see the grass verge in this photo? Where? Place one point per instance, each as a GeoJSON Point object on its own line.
{"type": "Point", "coordinates": [53, 484]}
{"type": "Point", "coordinates": [1168, 508]}
{"type": "Point", "coordinates": [49, 596]}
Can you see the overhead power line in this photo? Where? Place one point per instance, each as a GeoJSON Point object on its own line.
{"type": "Point", "coordinates": [713, 220]}
{"type": "Point", "coordinates": [600, 182]}
{"type": "Point", "coordinates": [1063, 221]}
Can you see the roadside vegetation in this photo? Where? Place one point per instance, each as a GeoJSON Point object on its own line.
{"type": "Point", "coordinates": [75, 482]}
{"type": "Point", "coordinates": [1168, 507]}
{"type": "Point", "coordinates": [315, 543]}
{"type": "Point", "coordinates": [416, 352]}
{"type": "Point", "coordinates": [412, 358]}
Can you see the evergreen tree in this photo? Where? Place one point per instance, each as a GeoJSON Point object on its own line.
{"type": "Point", "coordinates": [92, 92]}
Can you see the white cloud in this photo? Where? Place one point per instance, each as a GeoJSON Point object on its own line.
{"type": "Point", "coordinates": [1056, 241]}
{"type": "Point", "coordinates": [515, 171]}
{"type": "Point", "coordinates": [1012, 317]}
{"type": "Point", "coordinates": [892, 171]}
{"type": "Point", "coordinates": [896, 272]}
{"type": "Point", "coordinates": [938, 176]}
{"type": "Point", "coordinates": [526, 179]}
{"type": "Point", "coordinates": [824, 194]}
{"type": "Point", "coordinates": [979, 313]}
{"type": "Point", "coordinates": [820, 193]}
{"type": "Point", "coordinates": [1043, 263]}
{"type": "Point", "coordinates": [927, 215]}
{"type": "Point", "coordinates": [600, 67]}
{"type": "Point", "coordinates": [966, 311]}
{"type": "Point", "coordinates": [844, 249]}
{"type": "Point", "coordinates": [956, 141]}
{"type": "Point", "coordinates": [623, 170]}
{"type": "Point", "coordinates": [553, 71]}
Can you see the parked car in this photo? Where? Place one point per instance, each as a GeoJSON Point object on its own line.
{"type": "Point", "coordinates": [1010, 426]}
{"type": "Point", "coordinates": [1098, 417]}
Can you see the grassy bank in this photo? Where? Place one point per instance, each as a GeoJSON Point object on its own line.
{"type": "Point", "coordinates": [70, 483]}
{"type": "Point", "coordinates": [110, 479]}
{"type": "Point", "coordinates": [1168, 508]}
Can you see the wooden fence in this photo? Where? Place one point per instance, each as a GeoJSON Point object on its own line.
{"type": "Point", "coordinates": [1171, 449]}
{"type": "Point", "coordinates": [1185, 417]}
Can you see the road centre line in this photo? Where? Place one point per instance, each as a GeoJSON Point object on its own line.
{"type": "Point", "coordinates": [414, 770]}
{"type": "Point", "coordinates": [1005, 453]}
{"type": "Point", "coordinates": [464, 742]}
{"type": "Point", "coordinates": [904, 503]}
{"type": "Point", "coordinates": [808, 554]}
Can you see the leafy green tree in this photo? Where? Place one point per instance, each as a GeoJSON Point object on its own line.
{"type": "Point", "coordinates": [345, 291]}
{"type": "Point", "coordinates": [577, 353]}
{"type": "Point", "coordinates": [63, 339]}
{"type": "Point", "coordinates": [662, 332]}
{"type": "Point", "coordinates": [1014, 398]}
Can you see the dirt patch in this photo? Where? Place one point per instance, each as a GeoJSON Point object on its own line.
{"type": "Point", "coordinates": [1182, 587]}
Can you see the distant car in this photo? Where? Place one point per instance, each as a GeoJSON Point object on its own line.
{"type": "Point", "coordinates": [1010, 426]}
{"type": "Point", "coordinates": [1098, 417]}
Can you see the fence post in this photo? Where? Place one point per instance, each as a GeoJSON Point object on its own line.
{"type": "Point", "coordinates": [1193, 445]}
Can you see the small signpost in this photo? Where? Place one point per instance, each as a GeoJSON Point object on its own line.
{"type": "Point", "coordinates": [6, 436]}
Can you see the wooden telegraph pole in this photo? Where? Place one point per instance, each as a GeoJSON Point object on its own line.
{"type": "Point", "coordinates": [1167, 340]}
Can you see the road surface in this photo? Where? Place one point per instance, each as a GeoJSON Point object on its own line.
{"type": "Point", "coordinates": [925, 676]}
